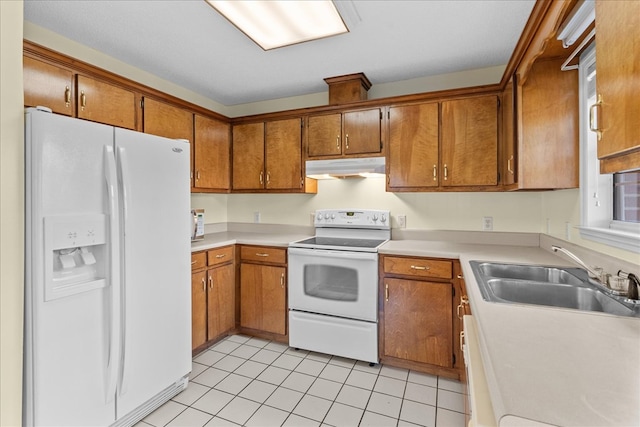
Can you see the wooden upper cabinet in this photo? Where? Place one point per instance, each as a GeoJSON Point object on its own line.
{"type": "Point", "coordinates": [362, 131]}
{"type": "Point", "coordinates": [413, 146]}
{"type": "Point", "coordinates": [283, 153]}
{"type": "Point", "coordinates": [103, 102]}
{"type": "Point", "coordinates": [618, 83]}
{"type": "Point", "coordinates": [324, 135]}
{"type": "Point", "coordinates": [48, 86]}
{"type": "Point", "coordinates": [248, 156]}
{"type": "Point", "coordinates": [469, 132]}
{"type": "Point", "coordinates": [547, 127]}
{"type": "Point", "coordinates": [211, 154]}
{"type": "Point", "coordinates": [167, 120]}
{"type": "Point", "coordinates": [354, 132]}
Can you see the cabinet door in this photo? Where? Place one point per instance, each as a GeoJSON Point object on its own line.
{"type": "Point", "coordinates": [324, 135]}
{"type": "Point", "coordinates": [248, 156]}
{"type": "Point", "coordinates": [48, 85]}
{"type": "Point", "coordinates": [362, 131]}
{"type": "Point", "coordinates": [413, 146]}
{"type": "Point", "coordinates": [221, 300]}
{"type": "Point", "coordinates": [263, 298]}
{"type": "Point", "coordinates": [418, 321]}
{"type": "Point", "coordinates": [198, 309]}
{"type": "Point", "coordinates": [283, 148]}
{"type": "Point", "coordinates": [211, 154]}
{"type": "Point", "coordinates": [103, 102]}
{"type": "Point", "coordinates": [167, 120]}
{"type": "Point", "coordinates": [470, 141]}
{"type": "Point", "coordinates": [548, 130]}
{"type": "Point", "coordinates": [618, 77]}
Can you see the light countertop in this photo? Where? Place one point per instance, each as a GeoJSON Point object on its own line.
{"type": "Point", "coordinates": [543, 365]}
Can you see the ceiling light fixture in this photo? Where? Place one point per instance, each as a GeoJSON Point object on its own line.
{"type": "Point", "coordinates": [273, 24]}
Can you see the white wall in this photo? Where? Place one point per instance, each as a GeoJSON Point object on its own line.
{"type": "Point", "coordinates": [11, 212]}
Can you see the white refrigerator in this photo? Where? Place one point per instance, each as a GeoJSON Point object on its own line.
{"type": "Point", "coordinates": [107, 272]}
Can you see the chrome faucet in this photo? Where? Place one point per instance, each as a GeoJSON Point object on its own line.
{"type": "Point", "coordinates": [578, 261]}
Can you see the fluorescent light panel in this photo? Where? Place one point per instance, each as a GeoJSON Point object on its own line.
{"type": "Point", "coordinates": [273, 24]}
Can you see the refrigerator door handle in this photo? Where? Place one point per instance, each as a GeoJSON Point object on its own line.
{"type": "Point", "coordinates": [124, 198]}
{"type": "Point", "coordinates": [114, 272]}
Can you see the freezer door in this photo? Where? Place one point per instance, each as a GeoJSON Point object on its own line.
{"type": "Point", "coordinates": [156, 282]}
{"type": "Point", "coordinates": [67, 330]}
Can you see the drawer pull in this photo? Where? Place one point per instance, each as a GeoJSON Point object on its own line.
{"type": "Point", "coordinates": [461, 340]}
{"type": "Point", "coordinates": [262, 254]}
{"type": "Point", "coordinates": [419, 267]}
{"type": "Point", "coordinates": [67, 96]}
{"type": "Point", "coordinates": [221, 256]}
{"type": "Point", "coordinates": [194, 262]}
{"type": "Point", "coordinates": [204, 285]}
{"type": "Point", "coordinates": [210, 282]}
{"type": "Point", "coordinates": [282, 280]}
{"type": "Point", "coordinates": [386, 292]}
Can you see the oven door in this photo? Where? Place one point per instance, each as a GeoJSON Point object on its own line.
{"type": "Point", "coordinates": [338, 283]}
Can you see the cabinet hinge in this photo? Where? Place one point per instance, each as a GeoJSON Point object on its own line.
{"type": "Point", "coordinates": [142, 103]}
{"type": "Point", "coordinates": [389, 115]}
{"type": "Point", "coordinates": [453, 289]}
{"type": "Point", "coordinates": [380, 114]}
{"type": "Point", "coordinates": [454, 360]}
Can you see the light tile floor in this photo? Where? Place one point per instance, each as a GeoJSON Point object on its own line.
{"type": "Point", "coordinates": [252, 382]}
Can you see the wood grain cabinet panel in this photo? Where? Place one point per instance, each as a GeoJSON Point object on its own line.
{"type": "Point", "coordinates": [103, 102]}
{"type": "Point", "coordinates": [220, 300]}
{"type": "Point", "coordinates": [418, 321]}
{"type": "Point", "coordinates": [263, 298]}
{"type": "Point", "coordinates": [508, 157]}
{"type": "Point", "coordinates": [469, 144]}
{"type": "Point", "coordinates": [413, 146]}
{"type": "Point", "coordinates": [618, 84]}
{"type": "Point", "coordinates": [283, 154]}
{"type": "Point", "coordinates": [211, 154]}
{"type": "Point", "coordinates": [248, 156]}
{"type": "Point", "coordinates": [263, 254]}
{"type": "Point", "coordinates": [418, 267]}
{"type": "Point", "coordinates": [198, 309]}
{"type": "Point", "coordinates": [547, 127]}
{"type": "Point", "coordinates": [167, 120]}
{"type": "Point", "coordinates": [352, 132]}
{"type": "Point", "coordinates": [49, 86]}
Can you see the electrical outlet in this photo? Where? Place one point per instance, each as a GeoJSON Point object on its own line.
{"type": "Point", "coordinates": [402, 221]}
{"type": "Point", "coordinates": [487, 223]}
{"type": "Point", "coordinates": [256, 217]}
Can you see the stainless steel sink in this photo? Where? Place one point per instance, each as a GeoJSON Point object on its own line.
{"type": "Point", "coordinates": [548, 286]}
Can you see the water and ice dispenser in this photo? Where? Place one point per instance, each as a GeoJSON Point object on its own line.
{"type": "Point", "coordinates": [75, 250]}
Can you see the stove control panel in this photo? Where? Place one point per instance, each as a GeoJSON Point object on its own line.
{"type": "Point", "coordinates": [353, 218]}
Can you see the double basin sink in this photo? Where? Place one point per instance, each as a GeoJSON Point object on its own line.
{"type": "Point", "coordinates": [548, 286]}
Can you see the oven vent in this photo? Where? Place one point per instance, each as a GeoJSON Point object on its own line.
{"type": "Point", "coordinates": [362, 167]}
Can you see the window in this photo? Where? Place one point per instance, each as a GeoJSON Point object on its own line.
{"type": "Point", "coordinates": [610, 203]}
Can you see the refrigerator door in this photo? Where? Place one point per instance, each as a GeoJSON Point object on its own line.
{"type": "Point", "coordinates": [156, 283]}
{"type": "Point", "coordinates": [68, 332]}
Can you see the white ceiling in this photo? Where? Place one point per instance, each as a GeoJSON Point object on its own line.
{"type": "Point", "coordinates": [189, 44]}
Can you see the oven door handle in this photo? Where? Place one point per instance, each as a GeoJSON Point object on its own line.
{"type": "Point", "coordinates": [325, 253]}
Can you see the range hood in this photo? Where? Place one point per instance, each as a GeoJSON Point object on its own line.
{"type": "Point", "coordinates": [345, 168]}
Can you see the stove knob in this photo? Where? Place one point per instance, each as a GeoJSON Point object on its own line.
{"type": "Point", "coordinates": [326, 216]}
{"type": "Point", "coordinates": [319, 217]}
{"type": "Point", "coordinates": [333, 216]}
{"type": "Point", "coordinates": [384, 218]}
{"type": "Point", "coordinates": [375, 217]}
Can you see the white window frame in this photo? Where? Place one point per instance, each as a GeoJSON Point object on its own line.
{"type": "Point", "coordinates": [596, 191]}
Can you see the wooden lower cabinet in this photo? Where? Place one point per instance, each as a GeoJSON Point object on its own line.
{"type": "Point", "coordinates": [418, 311]}
{"type": "Point", "coordinates": [263, 290]}
{"type": "Point", "coordinates": [213, 299]}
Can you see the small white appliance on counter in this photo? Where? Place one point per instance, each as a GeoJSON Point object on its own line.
{"type": "Point", "coordinates": [107, 272]}
{"type": "Point", "coordinates": [197, 228]}
{"type": "Point", "coordinates": [333, 284]}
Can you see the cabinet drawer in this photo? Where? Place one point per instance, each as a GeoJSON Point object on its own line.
{"type": "Point", "coordinates": [263, 254]}
{"type": "Point", "coordinates": [419, 267]}
{"type": "Point", "coordinates": [220, 255]}
{"type": "Point", "coordinates": [198, 260]}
